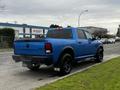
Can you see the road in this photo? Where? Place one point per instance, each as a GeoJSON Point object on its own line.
{"type": "Point", "coordinates": [15, 77]}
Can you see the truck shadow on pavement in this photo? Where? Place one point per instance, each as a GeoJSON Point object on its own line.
{"type": "Point", "coordinates": [48, 72]}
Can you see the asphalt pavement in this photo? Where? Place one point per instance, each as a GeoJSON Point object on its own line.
{"type": "Point", "coordinates": [15, 77]}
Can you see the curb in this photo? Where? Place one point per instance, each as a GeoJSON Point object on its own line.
{"type": "Point", "coordinates": [105, 60]}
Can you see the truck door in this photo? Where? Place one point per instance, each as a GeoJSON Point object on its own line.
{"type": "Point", "coordinates": [91, 43]}
{"type": "Point", "coordinates": [82, 43]}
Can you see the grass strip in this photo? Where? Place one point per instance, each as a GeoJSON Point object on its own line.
{"type": "Point", "coordinates": [105, 76]}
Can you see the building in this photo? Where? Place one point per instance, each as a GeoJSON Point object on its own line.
{"type": "Point", "coordinates": [93, 29]}
{"type": "Point", "coordinates": [118, 32]}
{"type": "Point", "coordinates": [96, 31]}
{"type": "Point", "coordinates": [24, 30]}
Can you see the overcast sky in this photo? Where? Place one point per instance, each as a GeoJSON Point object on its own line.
{"type": "Point", "coordinates": [101, 13]}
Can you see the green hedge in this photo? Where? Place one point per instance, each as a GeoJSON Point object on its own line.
{"type": "Point", "coordinates": [7, 36]}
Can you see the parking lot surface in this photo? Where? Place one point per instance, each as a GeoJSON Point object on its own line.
{"type": "Point", "coordinates": [15, 77]}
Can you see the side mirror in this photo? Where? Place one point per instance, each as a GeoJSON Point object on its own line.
{"type": "Point", "coordinates": [94, 39]}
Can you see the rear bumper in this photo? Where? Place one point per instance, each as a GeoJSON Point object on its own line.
{"type": "Point", "coordinates": [34, 59]}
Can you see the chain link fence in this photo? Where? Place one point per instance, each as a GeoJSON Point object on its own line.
{"type": "Point", "coordinates": [5, 42]}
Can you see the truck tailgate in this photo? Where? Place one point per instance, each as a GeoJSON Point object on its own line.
{"type": "Point", "coordinates": [29, 47]}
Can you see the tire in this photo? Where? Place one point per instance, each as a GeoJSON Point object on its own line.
{"type": "Point", "coordinates": [65, 64]}
{"type": "Point", "coordinates": [33, 67]}
{"type": "Point", "coordinates": [99, 55]}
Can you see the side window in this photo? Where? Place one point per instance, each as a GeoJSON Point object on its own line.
{"type": "Point", "coordinates": [88, 35]}
{"type": "Point", "coordinates": [81, 34]}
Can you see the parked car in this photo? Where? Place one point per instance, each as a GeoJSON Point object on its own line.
{"type": "Point", "coordinates": [60, 48]}
{"type": "Point", "coordinates": [117, 39]}
{"type": "Point", "coordinates": [111, 40]}
{"type": "Point", "coordinates": [104, 40]}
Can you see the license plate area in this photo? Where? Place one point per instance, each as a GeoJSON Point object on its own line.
{"type": "Point", "coordinates": [26, 58]}
{"type": "Point", "coordinates": [26, 63]}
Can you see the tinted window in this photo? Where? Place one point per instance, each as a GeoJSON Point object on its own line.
{"type": "Point", "coordinates": [88, 35]}
{"type": "Point", "coordinates": [81, 34]}
{"type": "Point", "coordinates": [60, 33]}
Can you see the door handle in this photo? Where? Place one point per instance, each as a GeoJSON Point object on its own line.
{"type": "Point", "coordinates": [79, 42]}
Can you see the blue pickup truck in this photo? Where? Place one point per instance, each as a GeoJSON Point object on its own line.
{"type": "Point", "coordinates": [60, 47]}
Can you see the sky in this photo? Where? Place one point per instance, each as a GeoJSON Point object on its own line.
{"type": "Point", "coordinates": [101, 13]}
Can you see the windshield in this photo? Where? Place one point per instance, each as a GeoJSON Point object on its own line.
{"type": "Point", "coordinates": [60, 33]}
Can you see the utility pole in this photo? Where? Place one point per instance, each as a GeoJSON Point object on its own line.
{"type": "Point", "coordinates": [81, 13]}
{"type": "Point", "coordinates": [2, 6]}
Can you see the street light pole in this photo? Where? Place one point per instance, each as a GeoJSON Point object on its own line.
{"type": "Point", "coordinates": [80, 16]}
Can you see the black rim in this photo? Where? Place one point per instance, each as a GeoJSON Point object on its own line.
{"type": "Point", "coordinates": [100, 54]}
{"type": "Point", "coordinates": [67, 65]}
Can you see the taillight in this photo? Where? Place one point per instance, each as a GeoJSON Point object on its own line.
{"type": "Point", "coordinates": [48, 48]}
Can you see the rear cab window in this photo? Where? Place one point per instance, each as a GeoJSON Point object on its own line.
{"type": "Point", "coordinates": [60, 33]}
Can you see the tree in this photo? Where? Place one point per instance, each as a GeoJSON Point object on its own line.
{"type": "Point", "coordinates": [68, 26]}
{"type": "Point", "coordinates": [55, 26]}
{"type": "Point", "coordinates": [118, 32]}
{"type": "Point", "coordinates": [100, 33]}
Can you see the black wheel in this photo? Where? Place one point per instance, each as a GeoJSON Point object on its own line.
{"type": "Point", "coordinates": [65, 64]}
{"type": "Point", "coordinates": [99, 55]}
{"type": "Point", "coordinates": [33, 67]}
